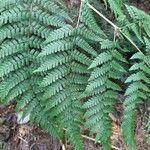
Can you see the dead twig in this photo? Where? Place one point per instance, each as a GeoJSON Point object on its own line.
{"type": "Point", "coordinates": [94, 140]}
{"type": "Point", "coordinates": [62, 145]}
{"type": "Point", "coordinates": [22, 139]}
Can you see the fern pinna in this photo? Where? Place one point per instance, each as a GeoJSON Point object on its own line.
{"type": "Point", "coordinates": [67, 73]}
{"type": "Point", "coordinates": [137, 91]}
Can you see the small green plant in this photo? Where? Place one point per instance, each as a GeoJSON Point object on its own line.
{"type": "Point", "coordinates": [67, 73]}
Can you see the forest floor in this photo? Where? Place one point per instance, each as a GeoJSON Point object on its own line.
{"type": "Point", "coordinates": [14, 136]}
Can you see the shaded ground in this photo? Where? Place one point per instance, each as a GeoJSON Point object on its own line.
{"type": "Point", "coordinates": [141, 4]}
{"type": "Point", "coordinates": [27, 137]}
{"type": "Point", "coordinates": [22, 137]}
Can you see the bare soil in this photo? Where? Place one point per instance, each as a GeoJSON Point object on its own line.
{"type": "Point", "coordinates": [30, 137]}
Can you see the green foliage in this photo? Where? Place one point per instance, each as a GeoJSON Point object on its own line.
{"type": "Point", "coordinates": [65, 58]}
{"type": "Point", "coordinates": [67, 73]}
{"type": "Point", "coordinates": [24, 26]}
{"type": "Point", "coordinates": [103, 87]}
{"type": "Point", "coordinates": [138, 81]}
{"type": "Point", "coordinates": [61, 92]}
{"type": "Point", "coordinates": [137, 91]}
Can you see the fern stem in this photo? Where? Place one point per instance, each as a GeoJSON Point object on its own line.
{"type": "Point", "coordinates": [100, 14]}
{"type": "Point", "coordinates": [80, 10]}
{"type": "Point", "coordinates": [130, 41]}
{"type": "Point", "coordinates": [63, 145]}
{"type": "Point", "coordinates": [105, 2]}
{"type": "Point", "coordinates": [94, 140]}
{"type": "Point", "coordinates": [116, 28]}
{"type": "Point", "coordinates": [61, 3]}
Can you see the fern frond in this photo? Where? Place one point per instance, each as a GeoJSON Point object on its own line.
{"type": "Point", "coordinates": [59, 79]}
{"type": "Point", "coordinates": [103, 92]}
{"type": "Point", "coordinates": [36, 42]}
{"type": "Point", "coordinates": [146, 26]}
{"type": "Point", "coordinates": [26, 98]}
{"type": "Point", "coordinates": [79, 68]}
{"type": "Point", "coordinates": [55, 88]}
{"type": "Point", "coordinates": [107, 44]}
{"type": "Point", "coordinates": [137, 76]}
{"type": "Point", "coordinates": [100, 71]}
{"type": "Point", "coordinates": [136, 93]}
{"type": "Point", "coordinates": [147, 43]}
{"type": "Point", "coordinates": [24, 26]}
